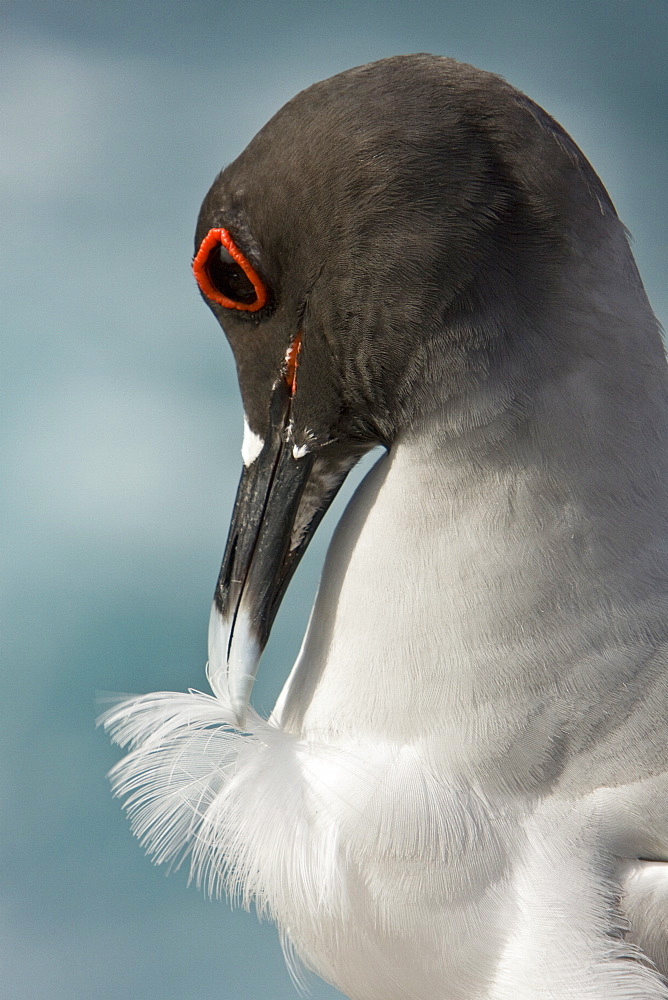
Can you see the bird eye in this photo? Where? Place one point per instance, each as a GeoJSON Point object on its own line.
{"type": "Point", "coordinates": [224, 274]}
{"type": "Point", "coordinates": [228, 277]}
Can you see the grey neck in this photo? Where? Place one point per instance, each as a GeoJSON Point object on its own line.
{"type": "Point", "coordinates": [507, 555]}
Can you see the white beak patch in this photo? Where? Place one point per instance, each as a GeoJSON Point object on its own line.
{"type": "Point", "coordinates": [252, 444]}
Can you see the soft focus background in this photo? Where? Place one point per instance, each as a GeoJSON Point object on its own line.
{"type": "Point", "coordinates": [123, 427]}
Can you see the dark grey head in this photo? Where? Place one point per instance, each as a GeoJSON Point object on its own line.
{"type": "Point", "coordinates": [398, 218]}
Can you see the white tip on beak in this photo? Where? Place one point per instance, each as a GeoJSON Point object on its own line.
{"type": "Point", "coordinates": [231, 678]}
{"type": "Point", "coordinates": [219, 636]}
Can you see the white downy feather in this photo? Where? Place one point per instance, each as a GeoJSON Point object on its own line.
{"type": "Point", "coordinates": [381, 877]}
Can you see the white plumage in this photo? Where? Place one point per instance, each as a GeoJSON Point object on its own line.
{"type": "Point", "coordinates": [392, 862]}
{"type": "Point", "coordinates": [461, 792]}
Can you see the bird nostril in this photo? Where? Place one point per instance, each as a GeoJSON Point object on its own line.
{"type": "Point", "coordinates": [227, 579]}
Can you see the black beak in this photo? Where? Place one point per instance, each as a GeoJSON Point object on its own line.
{"type": "Point", "coordinates": [279, 504]}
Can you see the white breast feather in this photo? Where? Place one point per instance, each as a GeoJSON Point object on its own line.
{"type": "Point", "coordinates": [290, 825]}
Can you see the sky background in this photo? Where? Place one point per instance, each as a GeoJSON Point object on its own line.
{"type": "Point", "coordinates": [122, 426]}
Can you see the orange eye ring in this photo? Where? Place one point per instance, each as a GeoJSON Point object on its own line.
{"type": "Point", "coordinates": [218, 237]}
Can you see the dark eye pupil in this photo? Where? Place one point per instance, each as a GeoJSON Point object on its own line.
{"type": "Point", "coordinates": [228, 277]}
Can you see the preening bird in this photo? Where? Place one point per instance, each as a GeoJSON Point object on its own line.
{"type": "Point", "coordinates": [462, 790]}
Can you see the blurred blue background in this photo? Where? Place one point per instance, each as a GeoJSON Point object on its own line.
{"type": "Point", "coordinates": [122, 425]}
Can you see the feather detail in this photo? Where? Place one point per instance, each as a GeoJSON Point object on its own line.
{"type": "Point", "coordinates": [291, 824]}
{"type": "Point", "coordinates": [365, 856]}
{"type": "Point", "coordinates": [194, 786]}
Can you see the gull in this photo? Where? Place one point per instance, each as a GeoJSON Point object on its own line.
{"type": "Point", "coordinates": [462, 790]}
